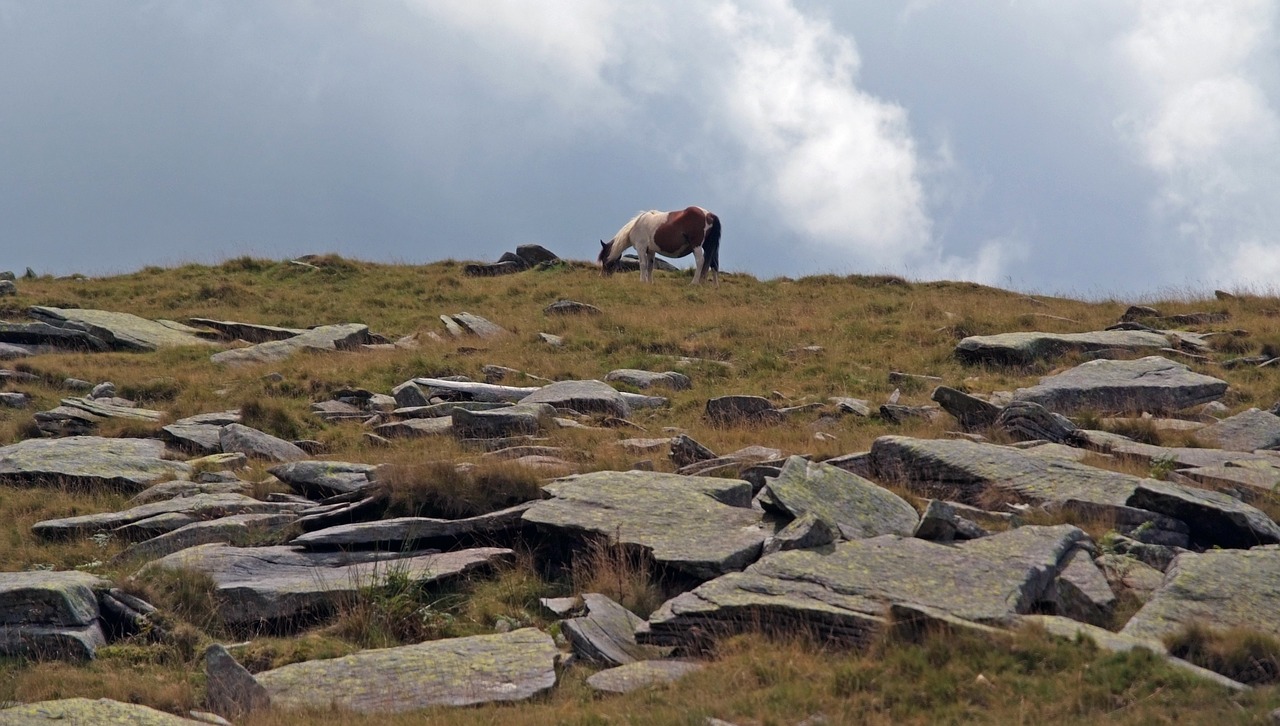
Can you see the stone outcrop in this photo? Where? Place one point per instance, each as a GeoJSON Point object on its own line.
{"type": "Point", "coordinates": [89, 462]}
{"type": "Point", "coordinates": [50, 615]}
{"type": "Point", "coordinates": [1152, 384]}
{"type": "Point", "coordinates": [848, 503]}
{"type": "Point", "coordinates": [121, 331]}
{"type": "Point", "coordinates": [326, 338]}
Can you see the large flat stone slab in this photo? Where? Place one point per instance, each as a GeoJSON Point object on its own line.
{"type": "Point", "coordinates": [1246, 431]}
{"type": "Point", "coordinates": [33, 338]}
{"type": "Point", "coordinates": [1219, 588]}
{"type": "Point", "coordinates": [456, 672]}
{"type": "Point", "coordinates": [583, 397]}
{"type": "Point", "coordinates": [50, 615]}
{"type": "Point", "coordinates": [965, 470]}
{"type": "Point", "coordinates": [121, 331]}
{"type": "Point", "coordinates": [274, 584]}
{"type": "Point", "coordinates": [241, 530]}
{"type": "Point", "coordinates": [846, 593]}
{"type": "Point", "coordinates": [1025, 348]}
{"type": "Point", "coordinates": [323, 479]}
{"type": "Point", "coordinates": [248, 332]}
{"type": "Point", "coordinates": [642, 674]}
{"type": "Point", "coordinates": [196, 507]}
{"type": "Point", "coordinates": [606, 635]}
{"type": "Point", "coordinates": [400, 531]}
{"type": "Point", "coordinates": [89, 462]}
{"type": "Point", "coordinates": [1152, 384]}
{"type": "Point", "coordinates": [77, 711]}
{"type": "Point", "coordinates": [684, 522]}
{"type": "Point", "coordinates": [856, 507]}
{"type": "Point", "coordinates": [326, 338]}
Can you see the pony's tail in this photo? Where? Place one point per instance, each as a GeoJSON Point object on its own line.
{"type": "Point", "coordinates": [711, 245]}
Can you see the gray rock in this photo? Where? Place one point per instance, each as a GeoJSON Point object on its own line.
{"type": "Point", "coordinates": [673, 380]}
{"type": "Point", "coordinates": [43, 336]}
{"type": "Point", "coordinates": [324, 479]}
{"type": "Point", "coordinates": [1178, 457]}
{"type": "Point", "coordinates": [326, 338]}
{"type": "Point", "coordinates": [1028, 348]}
{"type": "Point", "coordinates": [491, 392]}
{"type": "Point", "coordinates": [257, 444]}
{"type": "Point", "coordinates": [583, 397]}
{"type": "Point", "coordinates": [50, 614]}
{"type": "Point", "coordinates": [279, 585]}
{"type": "Point", "coordinates": [89, 462]}
{"type": "Point", "coordinates": [232, 691]}
{"type": "Point", "coordinates": [248, 332]}
{"type": "Point", "coordinates": [735, 462]}
{"type": "Point", "coordinates": [804, 532]}
{"type": "Point", "coordinates": [479, 326]}
{"type": "Point", "coordinates": [641, 674]}
{"type": "Point", "coordinates": [555, 341]}
{"type": "Point", "coordinates": [8, 287]}
{"type": "Point", "coordinates": [13, 351]}
{"type": "Point", "coordinates": [240, 530]}
{"type": "Point", "coordinates": [855, 406]}
{"type": "Point", "coordinates": [605, 635]}
{"type": "Point", "coordinates": [535, 255]}
{"type": "Point", "coordinates": [1151, 384]}
{"type": "Point", "coordinates": [522, 419]}
{"type": "Point", "coordinates": [731, 410]}
{"type": "Point", "coordinates": [1027, 421]}
{"type": "Point", "coordinates": [121, 331]}
{"type": "Point", "coordinates": [698, 525]}
{"type": "Point", "coordinates": [1228, 588]}
{"type": "Point", "coordinates": [80, 416]}
{"type": "Point", "coordinates": [493, 270]}
{"type": "Point", "coordinates": [416, 428]}
{"type": "Point", "coordinates": [1246, 431]}
{"type": "Point", "coordinates": [1130, 575]}
{"type": "Point", "coordinates": [845, 594]}
{"type": "Point", "coordinates": [395, 533]}
{"type": "Point", "coordinates": [1216, 520]}
{"type": "Point", "coordinates": [454, 672]}
{"type": "Point", "coordinates": [175, 489]}
{"type": "Point", "coordinates": [1252, 484]}
{"type": "Point", "coordinates": [854, 506]}
{"type": "Point", "coordinates": [408, 395]}
{"type": "Point", "coordinates": [195, 438]}
{"type": "Point", "coordinates": [194, 508]}
{"type": "Point", "coordinates": [571, 307]}
{"type": "Point", "coordinates": [1081, 591]}
{"type": "Point", "coordinates": [11, 399]}
{"type": "Point", "coordinates": [69, 711]}
{"type": "Point", "coordinates": [970, 411]}
{"type": "Point", "coordinates": [939, 522]}
{"type": "Point", "coordinates": [686, 451]}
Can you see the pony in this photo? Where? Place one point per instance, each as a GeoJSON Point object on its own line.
{"type": "Point", "coordinates": [670, 234]}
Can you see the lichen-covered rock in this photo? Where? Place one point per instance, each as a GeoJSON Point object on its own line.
{"type": "Point", "coordinates": [699, 525]}
{"type": "Point", "coordinates": [455, 672]}
{"type": "Point", "coordinates": [196, 507]}
{"type": "Point", "coordinates": [121, 331]}
{"type": "Point", "coordinates": [232, 691]}
{"type": "Point", "coordinates": [856, 507]}
{"type": "Point", "coordinates": [1245, 431]}
{"type": "Point", "coordinates": [241, 530]}
{"type": "Point", "coordinates": [846, 593]}
{"type": "Point", "coordinates": [641, 674]}
{"type": "Point", "coordinates": [673, 380]}
{"type": "Point", "coordinates": [50, 614]}
{"type": "Point", "coordinates": [1026, 348]}
{"type": "Point", "coordinates": [522, 419]}
{"type": "Point", "coordinates": [89, 462]}
{"type": "Point", "coordinates": [1221, 588]}
{"type": "Point", "coordinates": [76, 711]}
{"type": "Point", "coordinates": [400, 531]}
{"type": "Point", "coordinates": [257, 444]}
{"type": "Point", "coordinates": [1152, 384]}
{"type": "Point", "coordinates": [272, 585]}
{"type": "Point", "coordinates": [583, 397]}
{"type": "Point", "coordinates": [323, 479]}
{"type": "Point", "coordinates": [325, 338]}
{"type": "Point", "coordinates": [605, 635]}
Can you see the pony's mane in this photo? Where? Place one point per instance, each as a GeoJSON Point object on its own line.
{"type": "Point", "coordinates": [626, 228]}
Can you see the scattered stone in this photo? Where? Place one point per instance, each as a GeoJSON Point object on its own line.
{"type": "Point", "coordinates": [1247, 431]}
{"type": "Point", "coordinates": [1081, 591]}
{"type": "Point", "coordinates": [257, 444]}
{"type": "Point", "coordinates": [582, 396]}
{"type": "Point", "coordinates": [734, 410]}
{"type": "Point", "coordinates": [686, 451]}
{"type": "Point", "coordinates": [555, 341]}
{"type": "Point", "coordinates": [8, 287]}
{"type": "Point", "coordinates": [408, 395]}
{"type": "Point", "coordinates": [89, 462]}
{"type": "Point", "coordinates": [854, 506]}
{"type": "Point", "coordinates": [248, 332]}
{"type": "Point", "coordinates": [1027, 421]}
{"type": "Point", "coordinates": [735, 462]}
{"type": "Point", "coordinates": [940, 523]}
{"type": "Point", "coordinates": [1147, 384]}
{"type": "Point", "coordinates": [323, 479]}
{"type": "Point", "coordinates": [10, 399]}
{"type": "Point", "coordinates": [416, 428]}
{"type": "Point", "coordinates": [326, 338]}
{"type": "Point", "coordinates": [571, 307]}
{"type": "Point", "coordinates": [855, 406]}
{"type": "Point", "coordinates": [401, 532]}
{"type": "Point", "coordinates": [673, 380]}
{"type": "Point", "coordinates": [495, 269]}
{"type": "Point", "coordinates": [1227, 588]}
{"type": "Point", "coordinates": [193, 508]}
{"type": "Point", "coordinates": [50, 615]}
{"type": "Point", "coordinates": [642, 674]}
{"type": "Point", "coordinates": [231, 690]}
{"type": "Point", "coordinates": [804, 532]}
{"type": "Point", "coordinates": [278, 586]}
{"type": "Point", "coordinates": [477, 325]}
{"type": "Point", "coordinates": [605, 635]}
{"type": "Point", "coordinates": [895, 413]}
{"type": "Point", "coordinates": [1252, 484]}
{"type": "Point", "coordinates": [522, 419]}
{"type": "Point", "coordinates": [1028, 348]}
{"type": "Point", "coordinates": [87, 711]}
{"type": "Point", "coordinates": [971, 412]}
{"type": "Point", "coordinates": [121, 331]}
{"type": "Point", "coordinates": [240, 530]}
{"type": "Point", "coordinates": [511, 666]}
{"type": "Point", "coordinates": [701, 526]}
{"type": "Point", "coordinates": [534, 255]}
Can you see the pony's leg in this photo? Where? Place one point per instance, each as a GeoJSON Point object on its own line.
{"type": "Point", "coordinates": [699, 267]}
{"type": "Point", "coordinates": [646, 265]}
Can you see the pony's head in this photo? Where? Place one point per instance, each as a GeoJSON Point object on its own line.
{"type": "Point", "coordinates": [607, 266]}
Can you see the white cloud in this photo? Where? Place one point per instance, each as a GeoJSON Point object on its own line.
{"type": "Point", "coordinates": [1202, 121]}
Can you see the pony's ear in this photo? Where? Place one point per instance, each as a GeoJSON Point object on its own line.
{"type": "Point", "coordinates": [604, 244]}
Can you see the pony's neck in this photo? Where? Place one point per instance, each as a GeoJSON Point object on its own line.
{"type": "Point", "coordinates": [618, 245]}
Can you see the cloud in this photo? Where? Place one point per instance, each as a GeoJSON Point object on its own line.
{"type": "Point", "coordinates": [1202, 121]}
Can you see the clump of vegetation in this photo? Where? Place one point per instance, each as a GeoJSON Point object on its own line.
{"type": "Point", "coordinates": [442, 489]}
{"type": "Point", "coordinates": [624, 574]}
{"type": "Point", "coordinates": [1247, 656]}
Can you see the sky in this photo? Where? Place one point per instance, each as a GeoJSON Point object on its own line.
{"type": "Point", "coordinates": [1092, 148]}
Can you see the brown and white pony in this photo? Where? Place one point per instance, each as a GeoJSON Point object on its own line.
{"type": "Point", "coordinates": [670, 234]}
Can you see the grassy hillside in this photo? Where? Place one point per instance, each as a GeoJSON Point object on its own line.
{"type": "Point", "coordinates": [865, 326]}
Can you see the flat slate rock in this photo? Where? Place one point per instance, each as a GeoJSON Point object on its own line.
{"type": "Point", "coordinates": [50, 614]}
{"type": "Point", "coordinates": [1030, 347]}
{"type": "Point", "coordinates": [325, 338]}
{"type": "Point", "coordinates": [699, 525]}
{"type": "Point", "coordinates": [856, 507]}
{"type": "Point", "coordinates": [174, 489]}
{"type": "Point", "coordinates": [1221, 588]}
{"type": "Point", "coordinates": [1181, 457]}
{"type": "Point", "coordinates": [87, 711]}
{"type": "Point", "coordinates": [248, 332]}
{"type": "Point", "coordinates": [121, 331]}
{"type": "Point", "coordinates": [257, 444]}
{"type": "Point", "coordinates": [416, 427]}
{"type": "Point", "coordinates": [641, 674]}
{"type": "Point", "coordinates": [240, 530]}
{"type": "Point", "coordinates": [964, 470]}
{"type": "Point", "coordinates": [32, 338]}
{"type": "Point", "coordinates": [583, 397]}
{"type": "Point", "coordinates": [1246, 483]}
{"type": "Point", "coordinates": [273, 584]}
{"type": "Point", "coordinates": [398, 531]}
{"type": "Point", "coordinates": [89, 462]}
{"type": "Point", "coordinates": [1152, 384]}
{"type": "Point", "coordinates": [196, 507]}
{"type": "Point", "coordinates": [522, 419]}
{"type": "Point", "coordinates": [510, 666]}
{"type": "Point", "coordinates": [673, 380]}
{"type": "Point", "coordinates": [605, 635]}
{"type": "Point", "coordinates": [324, 479]}
{"type": "Point", "coordinates": [1246, 431]}
{"type": "Point", "coordinates": [479, 326]}
{"type": "Point", "coordinates": [846, 593]}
